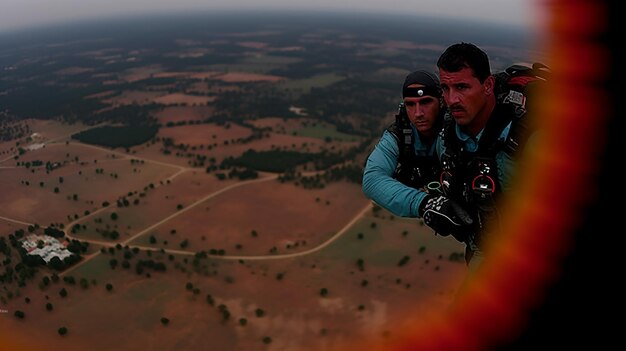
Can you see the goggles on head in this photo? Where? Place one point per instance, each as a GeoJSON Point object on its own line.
{"type": "Point", "coordinates": [420, 92]}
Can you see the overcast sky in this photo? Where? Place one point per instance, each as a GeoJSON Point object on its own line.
{"type": "Point", "coordinates": [17, 14]}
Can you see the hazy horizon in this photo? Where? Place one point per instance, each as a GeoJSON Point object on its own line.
{"type": "Point", "coordinates": [40, 13]}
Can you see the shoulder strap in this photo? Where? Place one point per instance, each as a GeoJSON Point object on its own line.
{"type": "Point", "coordinates": [502, 115]}
{"type": "Point", "coordinates": [402, 131]}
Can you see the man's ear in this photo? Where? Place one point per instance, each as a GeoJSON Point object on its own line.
{"type": "Point", "coordinates": [489, 84]}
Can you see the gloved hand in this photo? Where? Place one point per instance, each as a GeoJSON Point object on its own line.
{"type": "Point", "coordinates": [445, 217]}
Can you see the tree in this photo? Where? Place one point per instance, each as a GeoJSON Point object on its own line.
{"type": "Point", "coordinates": [165, 321]}
{"type": "Point", "coordinates": [19, 314]}
{"type": "Point", "coordinates": [259, 312]}
{"type": "Point", "coordinates": [243, 321]}
{"type": "Point", "coordinates": [403, 261]}
{"type": "Point", "coordinates": [114, 216]}
{"type": "Point", "coordinates": [109, 286]}
{"type": "Point", "coordinates": [49, 306]}
{"type": "Point", "coordinates": [62, 331]}
{"type": "Point", "coordinates": [225, 313]}
{"type": "Point", "coordinates": [360, 264]}
{"type": "Point", "coordinates": [323, 292]}
{"type": "Point", "coordinates": [184, 244]}
{"type": "Point", "coordinates": [63, 292]}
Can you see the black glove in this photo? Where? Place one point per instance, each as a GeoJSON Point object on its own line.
{"type": "Point", "coordinates": [446, 217]}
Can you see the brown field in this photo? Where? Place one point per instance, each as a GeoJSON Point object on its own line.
{"type": "Point", "coordinates": [32, 203]}
{"type": "Point", "coordinates": [237, 77]}
{"type": "Point", "coordinates": [183, 113]}
{"type": "Point", "coordinates": [219, 151]}
{"type": "Point", "coordinates": [140, 73]}
{"type": "Point", "coordinates": [185, 99]}
{"type": "Point", "coordinates": [50, 130]}
{"type": "Point", "coordinates": [204, 134]}
{"type": "Point", "coordinates": [295, 316]}
{"type": "Point", "coordinates": [68, 152]}
{"type": "Point", "coordinates": [8, 227]}
{"type": "Point", "coordinates": [7, 151]}
{"type": "Point", "coordinates": [74, 70]}
{"type": "Point", "coordinates": [157, 204]}
{"type": "Point", "coordinates": [299, 219]}
{"type": "Point", "coordinates": [369, 303]}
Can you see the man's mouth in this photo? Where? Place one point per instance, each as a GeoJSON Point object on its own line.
{"type": "Point", "coordinates": [457, 111]}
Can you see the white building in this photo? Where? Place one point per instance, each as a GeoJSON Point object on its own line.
{"type": "Point", "coordinates": [51, 247]}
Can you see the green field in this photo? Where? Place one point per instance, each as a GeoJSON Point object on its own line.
{"type": "Point", "coordinates": [255, 64]}
{"type": "Point", "coordinates": [388, 74]}
{"type": "Point", "coordinates": [305, 85]}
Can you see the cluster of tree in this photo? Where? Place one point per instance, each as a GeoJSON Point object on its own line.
{"type": "Point", "coordinates": [10, 129]}
{"type": "Point", "coordinates": [241, 174]}
{"type": "Point", "coordinates": [110, 136]}
{"type": "Point", "coordinates": [20, 269]}
{"type": "Point", "coordinates": [33, 163]}
{"type": "Point", "coordinates": [156, 266]}
{"type": "Point", "coordinates": [276, 161]}
{"type": "Point", "coordinates": [77, 247]}
{"type": "Point", "coordinates": [54, 232]}
{"type": "Point", "coordinates": [51, 100]}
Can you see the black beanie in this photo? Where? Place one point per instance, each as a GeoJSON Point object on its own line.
{"type": "Point", "coordinates": [429, 81]}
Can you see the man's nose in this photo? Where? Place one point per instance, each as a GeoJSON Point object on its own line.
{"type": "Point", "coordinates": [418, 111]}
{"type": "Point", "coordinates": [451, 97]}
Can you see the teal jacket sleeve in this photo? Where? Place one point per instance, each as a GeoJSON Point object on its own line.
{"type": "Point", "coordinates": [379, 184]}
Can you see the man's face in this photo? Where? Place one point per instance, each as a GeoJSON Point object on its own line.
{"type": "Point", "coordinates": [422, 111]}
{"type": "Point", "coordinates": [464, 94]}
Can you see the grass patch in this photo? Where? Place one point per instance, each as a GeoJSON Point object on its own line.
{"type": "Point", "coordinates": [98, 268]}
{"type": "Point", "coordinates": [305, 85]}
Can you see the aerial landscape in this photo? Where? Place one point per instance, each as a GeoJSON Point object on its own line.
{"type": "Point", "coordinates": [173, 182]}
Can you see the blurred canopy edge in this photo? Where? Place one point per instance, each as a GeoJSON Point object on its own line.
{"type": "Point", "coordinates": [579, 308]}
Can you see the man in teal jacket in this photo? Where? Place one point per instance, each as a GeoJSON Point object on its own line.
{"type": "Point", "coordinates": [404, 162]}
